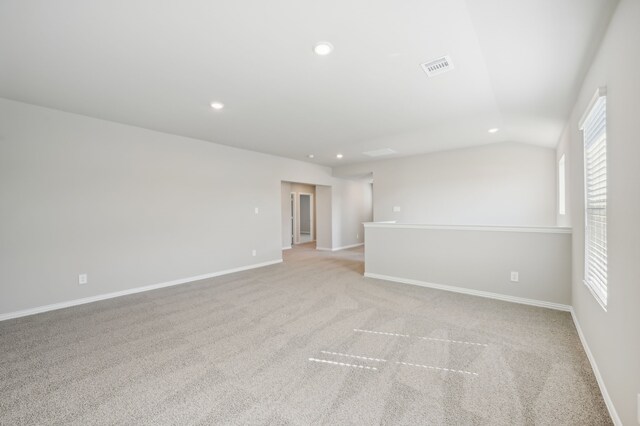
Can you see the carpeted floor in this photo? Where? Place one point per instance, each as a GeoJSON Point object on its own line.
{"type": "Point", "coordinates": [308, 341]}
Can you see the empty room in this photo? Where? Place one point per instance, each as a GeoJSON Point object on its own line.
{"type": "Point", "coordinates": [420, 212]}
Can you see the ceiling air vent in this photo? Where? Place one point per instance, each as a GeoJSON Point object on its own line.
{"type": "Point", "coordinates": [437, 66]}
{"type": "Point", "coordinates": [380, 152]}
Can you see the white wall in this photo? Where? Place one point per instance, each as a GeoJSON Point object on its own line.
{"type": "Point", "coordinates": [613, 336]}
{"type": "Point", "coordinates": [286, 214]}
{"type": "Point", "coordinates": [352, 206]}
{"type": "Point", "coordinates": [477, 260]}
{"type": "Point", "coordinates": [324, 209]}
{"type": "Point", "coordinates": [563, 145]}
{"type": "Point", "coordinates": [499, 184]}
{"type": "Point", "coordinates": [128, 206]}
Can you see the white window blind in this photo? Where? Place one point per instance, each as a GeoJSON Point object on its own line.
{"type": "Point", "coordinates": [594, 129]}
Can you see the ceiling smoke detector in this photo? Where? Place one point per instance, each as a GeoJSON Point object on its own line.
{"type": "Point", "coordinates": [380, 152]}
{"type": "Point", "coordinates": [437, 66]}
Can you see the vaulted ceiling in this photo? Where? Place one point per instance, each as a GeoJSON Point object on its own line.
{"type": "Point", "coordinates": [159, 65]}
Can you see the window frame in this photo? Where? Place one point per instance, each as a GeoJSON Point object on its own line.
{"type": "Point", "coordinates": [600, 291]}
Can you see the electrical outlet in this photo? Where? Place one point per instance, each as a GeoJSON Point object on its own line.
{"type": "Point", "coordinates": [515, 277]}
{"type": "Point", "coordinates": [254, 252]}
{"type": "Point", "coordinates": [396, 209]}
{"type": "Point", "coordinates": [357, 236]}
{"type": "Point", "coordinates": [256, 210]}
{"type": "Point", "coordinates": [83, 279]}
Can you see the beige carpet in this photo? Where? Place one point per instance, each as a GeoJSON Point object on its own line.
{"type": "Point", "coordinates": [308, 341]}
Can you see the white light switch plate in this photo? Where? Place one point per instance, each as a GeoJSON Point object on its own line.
{"type": "Point", "coordinates": [515, 277]}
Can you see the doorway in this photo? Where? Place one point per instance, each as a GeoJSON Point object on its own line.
{"type": "Point", "coordinates": [299, 215]}
{"type": "Point", "coordinates": [305, 231]}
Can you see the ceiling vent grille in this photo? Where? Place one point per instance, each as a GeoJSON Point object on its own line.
{"type": "Point", "coordinates": [380, 152]}
{"type": "Point", "coordinates": [438, 66]}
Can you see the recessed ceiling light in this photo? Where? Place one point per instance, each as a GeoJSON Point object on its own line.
{"type": "Point", "coordinates": [217, 105]}
{"type": "Point", "coordinates": [495, 129]}
{"type": "Point", "coordinates": [323, 48]}
{"type": "Point", "coordinates": [310, 155]}
{"type": "Point", "coordinates": [339, 156]}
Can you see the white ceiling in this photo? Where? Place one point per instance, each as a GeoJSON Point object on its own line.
{"type": "Point", "coordinates": [159, 65]}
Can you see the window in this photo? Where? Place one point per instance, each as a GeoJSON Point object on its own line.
{"type": "Point", "coordinates": [561, 187]}
{"type": "Point", "coordinates": [594, 130]}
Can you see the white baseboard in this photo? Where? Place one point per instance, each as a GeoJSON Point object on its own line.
{"type": "Point", "coordinates": [339, 248]}
{"type": "Point", "coordinates": [347, 247]}
{"type": "Point", "coordinates": [603, 389]}
{"type": "Point", "coordinates": [62, 305]}
{"type": "Point", "coordinates": [498, 296]}
{"type": "Point", "coordinates": [286, 248]}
